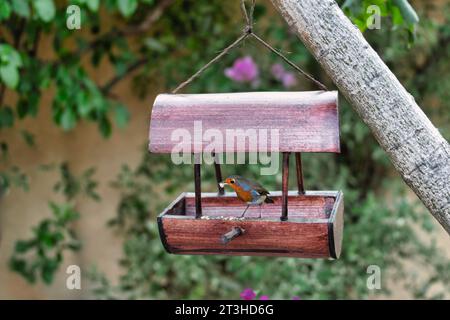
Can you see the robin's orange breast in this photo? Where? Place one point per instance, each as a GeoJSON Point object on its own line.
{"type": "Point", "coordinates": [242, 194]}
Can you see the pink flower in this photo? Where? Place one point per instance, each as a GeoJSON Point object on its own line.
{"type": "Point", "coordinates": [277, 71]}
{"type": "Point", "coordinates": [296, 298]}
{"type": "Point", "coordinates": [248, 294]}
{"type": "Point", "coordinates": [288, 79]}
{"type": "Point", "coordinates": [264, 298]}
{"type": "Point", "coordinates": [243, 70]}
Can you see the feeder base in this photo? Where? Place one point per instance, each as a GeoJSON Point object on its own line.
{"type": "Point", "coordinates": [313, 229]}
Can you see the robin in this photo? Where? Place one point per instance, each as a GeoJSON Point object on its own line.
{"type": "Point", "coordinates": [250, 192]}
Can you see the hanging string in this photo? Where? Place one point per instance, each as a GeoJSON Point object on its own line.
{"type": "Point", "coordinates": [248, 31]}
{"type": "Point", "coordinates": [206, 66]}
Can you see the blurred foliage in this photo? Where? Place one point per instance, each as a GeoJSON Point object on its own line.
{"type": "Point", "coordinates": [71, 186]}
{"type": "Point", "coordinates": [400, 13]}
{"type": "Point", "coordinates": [77, 95]}
{"type": "Point", "coordinates": [14, 176]}
{"type": "Point", "coordinates": [380, 219]}
{"type": "Point", "coordinates": [42, 255]}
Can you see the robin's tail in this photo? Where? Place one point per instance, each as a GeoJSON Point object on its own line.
{"type": "Point", "coordinates": [268, 200]}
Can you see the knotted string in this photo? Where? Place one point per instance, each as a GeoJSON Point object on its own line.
{"type": "Point", "coordinates": [248, 31]}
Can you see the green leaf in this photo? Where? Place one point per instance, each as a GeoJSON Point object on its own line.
{"type": "Point", "coordinates": [48, 270]}
{"type": "Point", "coordinates": [24, 245]}
{"type": "Point", "coordinates": [84, 105]}
{"type": "Point", "coordinates": [361, 24]}
{"type": "Point", "coordinates": [93, 5]}
{"type": "Point", "coordinates": [105, 127]}
{"type": "Point", "coordinates": [74, 245]}
{"type": "Point", "coordinates": [6, 117]}
{"type": "Point", "coordinates": [21, 8]}
{"type": "Point", "coordinates": [397, 17]}
{"type": "Point", "coordinates": [10, 75]}
{"type": "Point", "coordinates": [347, 4]}
{"type": "Point", "coordinates": [23, 108]}
{"type": "Point", "coordinates": [154, 45]}
{"type": "Point", "coordinates": [64, 213]}
{"type": "Point", "coordinates": [28, 137]}
{"type": "Point", "coordinates": [14, 58]}
{"type": "Point", "coordinates": [45, 9]}
{"type": "Point", "coordinates": [9, 56]}
{"type": "Point", "coordinates": [20, 266]}
{"type": "Point", "coordinates": [68, 119]}
{"type": "Point", "coordinates": [408, 12]}
{"type": "Point", "coordinates": [127, 7]}
{"type": "Point", "coordinates": [4, 184]}
{"type": "Point", "coordinates": [3, 154]}
{"type": "Point", "coordinates": [122, 115]}
{"type": "Point", "coordinates": [5, 10]}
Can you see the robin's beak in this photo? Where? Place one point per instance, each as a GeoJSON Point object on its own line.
{"type": "Point", "coordinates": [222, 184]}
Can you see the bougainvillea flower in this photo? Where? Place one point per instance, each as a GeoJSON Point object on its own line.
{"type": "Point", "coordinates": [248, 294]}
{"type": "Point", "coordinates": [288, 79]}
{"type": "Point", "coordinates": [264, 298]}
{"type": "Point", "coordinates": [243, 70]}
{"type": "Point", "coordinates": [277, 71]}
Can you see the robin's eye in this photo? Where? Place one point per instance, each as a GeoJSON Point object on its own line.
{"type": "Point", "coordinates": [232, 181]}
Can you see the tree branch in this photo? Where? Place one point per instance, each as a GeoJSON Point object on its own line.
{"type": "Point", "coordinates": [148, 22]}
{"type": "Point", "coordinates": [415, 147]}
{"type": "Point", "coordinates": [111, 83]}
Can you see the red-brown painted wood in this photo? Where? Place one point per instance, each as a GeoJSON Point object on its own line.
{"type": "Point", "coordinates": [284, 186]}
{"type": "Point", "coordinates": [310, 207]}
{"type": "Point", "coordinates": [299, 172]}
{"type": "Point", "coordinates": [306, 121]}
{"type": "Point", "coordinates": [272, 238]}
{"type": "Point", "coordinates": [308, 233]}
{"type": "Point", "coordinates": [198, 190]}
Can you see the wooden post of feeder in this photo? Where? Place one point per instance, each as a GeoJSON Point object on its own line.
{"type": "Point", "coordinates": [284, 187]}
{"type": "Point", "coordinates": [198, 188]}
{"type": "Point", "coordinates": [218, 174]}
{"type": "Point", "coordinates": [299, 170]}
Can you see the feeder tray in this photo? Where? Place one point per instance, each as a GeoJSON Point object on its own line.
{"type": "Point", "coordinates": [307, 224]}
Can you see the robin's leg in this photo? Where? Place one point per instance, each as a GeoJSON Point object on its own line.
{"type": "Point", "coordinates": [260, 210]}
{"type": "Point", "coordinates": [243, 213]}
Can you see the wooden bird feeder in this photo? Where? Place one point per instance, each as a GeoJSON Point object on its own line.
{"type": "Point", "coordinates": [307, 224]}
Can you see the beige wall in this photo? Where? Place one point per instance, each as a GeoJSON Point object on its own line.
{"type": "Point", "coordinates": [82, 147]}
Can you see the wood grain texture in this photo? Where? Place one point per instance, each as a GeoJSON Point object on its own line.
{"type": "Point", "coordinates": [268, 238]}
{"type": "Point", "coordinates": [299, 172]}
{"type": "Point", "coordinates": [284, 186]}
{"type": "Point", "coordinates": [414, 145]}
{"type": "Point", "coordinates": [306, 121]}
{"type": "Point", "coordinates": [301, 207]}
{"type": "Point", "coordinates": [198, 190]}
{"type": "Point", "coordinates": [305, 234]}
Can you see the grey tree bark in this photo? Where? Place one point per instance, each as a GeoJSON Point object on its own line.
{"type": "Point", "coordinates": [416, 148]}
